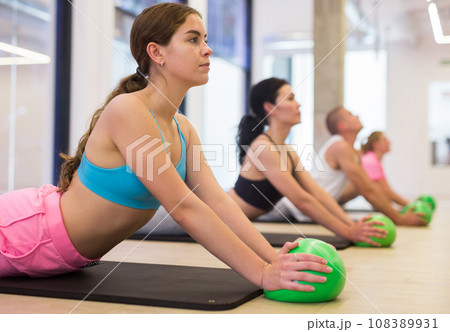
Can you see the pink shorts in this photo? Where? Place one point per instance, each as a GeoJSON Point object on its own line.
{"type": "Point", "coordinates": [33, 238]}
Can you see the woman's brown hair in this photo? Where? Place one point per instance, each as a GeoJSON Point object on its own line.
{"type": "Point", "coordinates": [155, 24]}
{"type": "Point", "coordinates": [371, 140]}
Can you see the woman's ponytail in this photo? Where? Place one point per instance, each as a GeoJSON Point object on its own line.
{"type": "Point", "coordinates": [249, 128]}
{"type": "Point", "coordinates": [373, 138]}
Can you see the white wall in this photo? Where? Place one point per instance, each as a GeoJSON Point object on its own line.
{"type": "Point", "coordinates": [408, 165]}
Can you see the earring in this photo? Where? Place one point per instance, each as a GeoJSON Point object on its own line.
{"type": "Point", "coordinates": [161, 63]}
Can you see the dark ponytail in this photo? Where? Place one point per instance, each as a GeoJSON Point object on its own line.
{"type": "Point", "coordinates": [248, 130]}
{"type": "Point", "coordinates": [252, 125]}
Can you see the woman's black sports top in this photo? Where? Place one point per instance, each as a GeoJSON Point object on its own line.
{"type": "Point", "coordinates": [259, 193]}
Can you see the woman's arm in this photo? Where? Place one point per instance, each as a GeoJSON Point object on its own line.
{"type": "Point", "coordinates": [372, 166]}
{"type": "Point", "coordinates": [210, 192]}
{"type": "Point", "coordinates": [348, 194]}
{"type": "Point", "coordinates": [359, 231]}
{"type": "Point", "coordinates": [130, 123]}
{"type": "Point", "coordinates": [287, 185]}
{"type": "Point", "coordinates": [315, 202]}
{"type": "Point", "coordinates": [344, 156]}
{"type": "Point", "coordinates": [384, 185]}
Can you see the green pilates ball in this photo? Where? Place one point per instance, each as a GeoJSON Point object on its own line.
{"type": "Point", "coordinates": [389, 226]}
{"type": "Point", "coordinates": [428, 199]}
{"type": "Point", "coordinates": [326, 291]}
{"type": "Point", "coordinates": [420, 207]}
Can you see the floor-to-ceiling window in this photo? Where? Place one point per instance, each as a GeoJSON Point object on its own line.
{"type": "Point", "coordinates": [365, 88]}
{"type": "Point", "coordinates": [27, 29]}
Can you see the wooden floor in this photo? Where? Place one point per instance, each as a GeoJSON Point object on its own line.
{"type": "Point", "coordinates": [413, 276]}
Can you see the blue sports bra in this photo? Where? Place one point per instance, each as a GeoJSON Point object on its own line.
{"type": "Point", "coordinates": [121, 185]}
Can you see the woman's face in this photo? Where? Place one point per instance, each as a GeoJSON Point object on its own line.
{"type": "Point", "coordinates": [287, 109]}
{"type": "Point", "coordinates": [186, 57]}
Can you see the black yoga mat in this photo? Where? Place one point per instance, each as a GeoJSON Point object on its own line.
{"type": "Point", "coordinates": [278, 240]}
{"type": "Point", "coordinates": [275, 239]}
{"type": "Point", "coordinates": [143, 284]}
{"type": "Point", "coordinates": [361, 210]}
{"type": "Point", "coordinates": [291, 220]}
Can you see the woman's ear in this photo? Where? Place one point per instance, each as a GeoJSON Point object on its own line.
{"type": "Point", "coordinates": [268, 106]}
{"type": "Point", "coordinates": [155, 52]}
{"type": "Point", "coordinates": [375, 145]}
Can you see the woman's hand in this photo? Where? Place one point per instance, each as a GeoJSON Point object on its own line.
{"type": "Point", "coordinates": [411, 218]}
{"type": "Point", "coordinates": [362, 231]}
{"type": "Point", "coordinates": [286, 270]}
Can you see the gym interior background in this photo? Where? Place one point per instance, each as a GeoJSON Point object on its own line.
{"type": "Point", "coordinates": [59, 59]}
{"type": "Point", "coordinates": [396, 77]}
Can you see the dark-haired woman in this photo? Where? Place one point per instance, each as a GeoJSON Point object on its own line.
{"type": "Point", "coordinates": [138, 154]}
{"type": "Point", "coordinates": [271, 170]}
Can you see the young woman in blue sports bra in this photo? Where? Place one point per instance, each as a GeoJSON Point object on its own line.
{"type": "Point", "coordinates": [271, 170]}
{"type": "Point", "coordinates": [137, 154]}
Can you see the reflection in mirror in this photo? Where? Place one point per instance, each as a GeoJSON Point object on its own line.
{"type": "Point", "coordinates": [439, 122]}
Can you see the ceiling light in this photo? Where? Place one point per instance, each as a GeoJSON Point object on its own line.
{"type": "Point", "coordinates": [24, 56]}
{"type": "Point", "coordinates": [283, 45]}
{"type": "Point", "coordinates": [436, 25]}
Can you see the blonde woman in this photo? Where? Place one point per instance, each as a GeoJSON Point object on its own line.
{"type": "Point", "coordinates": [373, 150]}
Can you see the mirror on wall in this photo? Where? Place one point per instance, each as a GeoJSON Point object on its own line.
{"type": "Point", "coordinates": [26, 98]}
{"type": "Point", "coordinates": [439, 122]}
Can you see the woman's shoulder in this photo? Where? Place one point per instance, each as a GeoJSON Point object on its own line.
{"type": "Point", "coordinates": [370, 157]}
{"type": "Point", "coordinates": [369, 154]}
{"type": "Point", "coordinates": [182, 120]}
{"type": "Point", "coordinates": [128, 113]}
{"type": "Point", "coordinates": [185, 125]}
{"type": "Point", "coordinates": [264, 149]}
{"type": "Point", "coordinates": [127, 109]}
{"type": "Point", "coordinates": [187, 128]}
{"type": "Point", "coordinates": [260, 140]}
{"type": "Point", "coordinates": [264, 140]}
{"type": "Point", "coordinates": [126, 102]}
